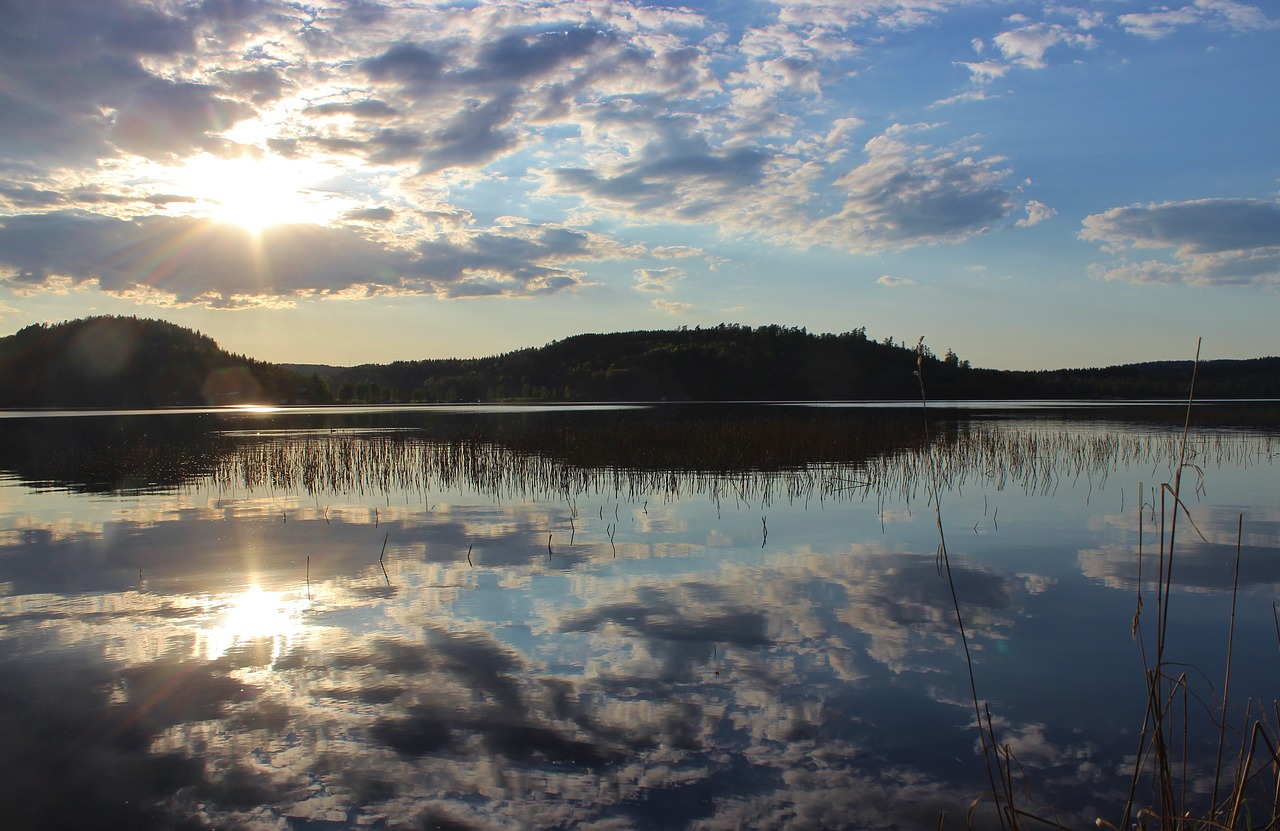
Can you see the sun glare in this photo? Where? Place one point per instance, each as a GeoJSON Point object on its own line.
{"type": "Point", "coordinates": [256, 193]}
{"type": "Point", "coordinates": [255, 616]}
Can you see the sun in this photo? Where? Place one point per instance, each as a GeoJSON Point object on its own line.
{"type": "Point", "coordinates": [256, 192]}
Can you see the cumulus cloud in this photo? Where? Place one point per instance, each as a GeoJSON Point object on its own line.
{"type": "Point", "coordinates": [1212, 241]}
{"type": "Point", "coordinates": [887, 14]}
{"type": "Point", "coordinates": [1224, 14]}
{"type": "Point", "coordinates": [895, 282]}
{"type": "Point", "coordinates": [672, 307]}
{"type": "Point", "coordinates": [185, 261]}
{"type": "Point", "coordinates": [1037, 212]}
{"type": "Point", "coordinates": [88, 80]}
{"type": "Point", "coordinates": [692, 179]}
{"type": "Point", "coordinates": [514, 258]}
{"type": "Point", "coordinates": [908, 194]}
{"type": "Point", "coordinates": [626, 113]}
{"type": "Point", "coordinates": [1026, 46]}
{"type": "Point", "coordinates": [657, 280]}
{"type": "Point", "coordinates": [986, 70]}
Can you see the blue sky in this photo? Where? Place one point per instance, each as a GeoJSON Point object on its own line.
{"type": "Point", "coordinates": [1033, 185]}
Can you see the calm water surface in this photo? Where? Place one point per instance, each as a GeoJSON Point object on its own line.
{"type": "Point", "coordinates": [607, 618]}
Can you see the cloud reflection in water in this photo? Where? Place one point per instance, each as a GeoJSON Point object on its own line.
{"type": "Point", "coordinates": [653, 667]}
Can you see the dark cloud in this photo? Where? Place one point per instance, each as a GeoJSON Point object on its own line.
{"type": "Point", "coordinates": [169, 198]}
{"type": "Point", "coordinates": [469, 685]}
{"type": "Point", "coordinates": [474, 137]}
{"type": "Point", "coordinates": [77, 81]}
{"type": "Point", "coordinates": [371, 215]}
{"type": "Point", "coordinates": [390, 146]}
{"type": "Point", "coordinates": [905, 195]}
{"type": "Point", "coordinates": [519, 57]}
{"type": "Point", "coordinates": [134, 29]}
{"type": "Point", "coordinates": [1202, 226]}
{"type": "Point", "coordinates": [20, 196]}
{"type": "Point", "coordinates": [385, 146]}
{"type": "Point", "coordinates": [194, 261]}
{"type": "Point", "coordinates": [200, 261]}
{"type": "Point", "coordinates": [681, 628]}
{"type": "Point", "coordinates": [231, 11]}
{"type": "Point", "coordinates": [74, 758]}
{"type": "Point", "coordinates": [658, 615]}
{"type": "Point", "coordinates": [516, 259]}
{"type": "Point", "coordinates": [366, 108]}
{"type": "Point", "coordinates": [680, 173]}
{"type": "Point", "coordinates": [162, 118]}
{"type": "Point", "coordinates": [481, 95]}
{"type": "Point", "coordinates": [262, 85]}
{"type": "Point", "coordinates": [1202, 566]}
{"type": "Point", "coordinates": [415, 67]}
{"type": "Point", "coordinates": [1213, 241]}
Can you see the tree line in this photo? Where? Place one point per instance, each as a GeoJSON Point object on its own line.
{"type": "Point", "coordinates": [132, 362]}
{"type": "Point", "coordinates": [730, 362]}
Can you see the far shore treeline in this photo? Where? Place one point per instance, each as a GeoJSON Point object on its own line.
{"type": "Point", "coordinates": [115, 362]}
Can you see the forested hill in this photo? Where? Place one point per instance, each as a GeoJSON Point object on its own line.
{"type": "Point", "coordinates": [723, 363]}
{"type": "Point", "coordinates": [729, 363]}
{"type": "Point", "coordinates": [130, 362]}
{"type": "Point", "coordinates": [120, 362]}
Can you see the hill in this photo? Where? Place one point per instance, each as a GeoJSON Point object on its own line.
{"type": "Point", "coordinates": [722, 363]}
{"type": "Point", "coordinates": [121, 362]}
{"type": "Point", "coordinates": [737, 363]}
{"type": "Point", "coordinates": [118, 362]}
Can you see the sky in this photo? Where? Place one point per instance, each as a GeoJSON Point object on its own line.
{"type": "Point", "coordinates": [1032, 185]}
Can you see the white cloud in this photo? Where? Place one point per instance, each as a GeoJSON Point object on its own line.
{"type": "Point", "coordinates": [658, 280]}
{"type": "Point", "coordinates": [1027, 45]}
{"type": "Point", "coordinates": [1037, 212]}
{"type": "Point", "coordinates": [1212, 241]}
{"type": "Point", "coordinates": [884, 14]}
{"type": "Point", "coordinates": [912, 194]}
{"type": "Point", "coordinates": [675, 252]}
{"type": "Point", "coordinates": [1222, 14]}
{"type": "Point", "coordinates": [895, 282]}
{"type": "Point", "coordinates": [986, 70]}
{"type": "Point", "coordinates": [670, 306]}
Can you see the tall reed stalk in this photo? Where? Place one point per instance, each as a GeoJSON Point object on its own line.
{"type": "Point", "coordinates": [1249, 793]}
{"type": "Point", "coordinates": [996, 771]}
{"type": "Point", "coordinates": [1165, 741]}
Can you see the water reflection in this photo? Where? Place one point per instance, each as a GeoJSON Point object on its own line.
{"type": "Point", "coordinates": [267, 622]}
{"type": "Point", "coordinates": [457, 631]}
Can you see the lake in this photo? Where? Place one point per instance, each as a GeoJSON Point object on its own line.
{"type": "Point", "coordinates": [632, 617]}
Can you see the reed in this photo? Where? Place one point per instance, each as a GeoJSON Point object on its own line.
{"type": "Point", "coordinates": [954, 457]}
{"type": "Point", "coordinates": [1249, 790]}
{"type": "Point", "coordinates": [997, 769]}
{"type": "Point", "coordinates": [1245, 792]}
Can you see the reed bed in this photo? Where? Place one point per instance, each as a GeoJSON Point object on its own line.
{"type": "Point", "coordinates": [986, 455]}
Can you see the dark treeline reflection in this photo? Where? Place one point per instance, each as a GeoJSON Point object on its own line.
{"type": "Point", "coordinates": [115, 453]}
{"type": "Point", "coordinates": [672, 450]}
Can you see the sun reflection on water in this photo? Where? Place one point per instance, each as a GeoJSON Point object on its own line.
{"type": "Point", "coordinates": [258, 617]}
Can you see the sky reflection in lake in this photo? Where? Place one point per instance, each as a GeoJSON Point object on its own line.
{"type": "Point", "coordinates": [712, 648]}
